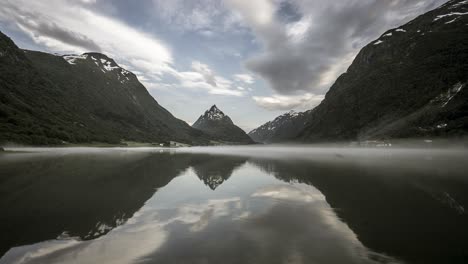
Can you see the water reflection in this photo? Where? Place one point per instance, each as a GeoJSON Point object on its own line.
{"type": "Point", "coordinates": [416, 215]}
{"type": "Point", "coordinates": [145, 207]}
{"type": "Point", "coordinates": [79, 195]}
{"type": "Point", "coordinates": [214, 170]}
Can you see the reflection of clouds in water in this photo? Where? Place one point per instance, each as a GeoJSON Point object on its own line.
{"type": "Point", "coordinates": [299, 193]}
{"type": "Point", "coordinates": [144, 233]}
{"type": "Point", "coordinates": [122, 245]}
{"type": "Point", "coordinates": [302, 229]}
{"type": "Point", "coordinates": [35, 251]}
{"type": "Point", "coordinates": [272, 223]}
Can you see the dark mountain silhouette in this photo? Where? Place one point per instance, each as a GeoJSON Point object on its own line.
{"type": "Point", "coordinates": [50, 99]}
{"type": "Point", "coordinates": [283, 127]}
{"type": "Point", "coordinates": [403, 217]}
{"type": "Point", "coordinates": [85, 195]}
{"type": "Point", "coordinates": [218, 125]}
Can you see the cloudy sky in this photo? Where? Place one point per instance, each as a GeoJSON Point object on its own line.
{"type": "Point", "coordinates": [255, 59]}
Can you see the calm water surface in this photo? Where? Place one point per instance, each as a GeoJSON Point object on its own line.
{"type": "Point", "coordinates": [234, 205]}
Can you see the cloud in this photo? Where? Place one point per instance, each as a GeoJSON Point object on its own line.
{"type": "Point", "coordinates": [44, 31]}
{"type": "Point", "coordinates": [88, 1]}
{"type": "Point", "coordinates": [204, 78]}
{"type": "Point", "coordinates": [309, 50]}
{"type": "Point", "coordinates": [205, 71]}
{"type": "Point", "coordinates": [205, 17]}
{"type": "Point", "coordinates": [66, 27]}
{"type": "Point", "coordinates": [259, 13]}
{"type": "Point", "coordinates": [62, 26]}
{"type": "Point", "coordinates": [245, 78]}
{"type": "Point", "coordinates": [283, 102]}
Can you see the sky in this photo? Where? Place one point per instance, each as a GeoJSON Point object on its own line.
{"type": "Point", "coordinates": [254, 59]}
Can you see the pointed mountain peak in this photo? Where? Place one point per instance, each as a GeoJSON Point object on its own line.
{"type": "Point", "coordinates": [220, 126]}
{"type": "Point", "coordinates": [214, 113]}
{"type": "Point", "coordinates": [214, 108]}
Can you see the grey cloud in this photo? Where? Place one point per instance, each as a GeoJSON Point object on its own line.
{"type": "Point", "coordinates": [203, 16]}
{"type": "Point", "coordinates": [41, 26]}
{"type": "Point", "coordinates": [52, 30]}
{"type": "Point", "coordinates": [334, 32]}
{"type": "Point", "coordinates": [206, 72]}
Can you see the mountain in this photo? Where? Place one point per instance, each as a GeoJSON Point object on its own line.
{"type": "Point", "coordinates": [51, 99]}
{"type": "Point", "coordinates": [283, 127]}
{"type": "Point", "coordinates": [410, 82]}
{"type": "Point", "coordinates": [215, 123]}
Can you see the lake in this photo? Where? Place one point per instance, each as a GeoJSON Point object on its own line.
{"type": "Point", "coordinates": [260, 204]}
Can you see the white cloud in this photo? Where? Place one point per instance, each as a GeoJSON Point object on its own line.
{"type": "Point", "coordinates": [205, 71]}
{"type": "Point", "coordinates": [88, 1]}
{"type": "Point", "coordinates": [204, 78]}
{"type": "Point", "coordinates": [297, 31]}
{"type": "Point", "coordinates": [74, 22]}
{"type": "Point", "coordinates": [283, 102]}
{"type": "Point", "coordinates": [78, 29]}
{"type": "Point", "coordinates": [258, 12]}
{"type": "Point", "coordinates": [204, 17]}
{"type": "Point", "coordinates": [245, 78]}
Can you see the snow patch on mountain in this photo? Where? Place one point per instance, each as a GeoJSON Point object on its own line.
{"type": "Point", "coordinates": [445, 97]}
{"type": "Point", "coordinates": [71, 58]}
{"type": "Point", "coordinates": [268, 130]}
{"type": "Point", "coordinates": [101, 61]}
{"type": "Point", "coordinates": [449, 15]}
{"type": "Point", "coordinates": [459, 4]}
{"type": "Point", "coordinates": [214, 113]}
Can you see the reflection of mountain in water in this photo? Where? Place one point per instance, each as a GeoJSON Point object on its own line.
{"type": "Point", "coordinates": [414, 215]}
{"type": "Point", "coordinates": [43, 197]}
{"type": "Point", "coordinates": [411, 210]}
{"type": "Point", "coordinates": [214, 170]}
{"type": "Point", "coordinates": [83, 195]}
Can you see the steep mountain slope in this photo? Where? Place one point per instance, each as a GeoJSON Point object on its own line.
{"type": "Point", "coordinates": [49, 99]}
{"type": "Point", "coordinates": [215, 123]}
{"type": "Point", "coordinates": [283, 127]}
{"type": "Point", "coordinates": [410, 82]}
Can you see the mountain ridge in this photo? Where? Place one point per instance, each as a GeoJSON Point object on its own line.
{"type": "Point", "coordinates": [282, 127]}
{"type": "Point", "coordinates": [51, 99]}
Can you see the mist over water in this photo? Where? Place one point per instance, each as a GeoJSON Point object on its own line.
{"type": "Point", "coordinates": [234, 204]}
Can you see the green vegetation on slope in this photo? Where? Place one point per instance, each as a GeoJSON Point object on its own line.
{"type": "Point", "coordinates": [48, 99]}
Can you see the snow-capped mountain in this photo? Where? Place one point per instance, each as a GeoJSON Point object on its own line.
{"type": "Point", "coordinates": [102, 63]}
{"type": "Point", "coordinates": [214, 114]}
{"type": "Point", "coordinates": [281, 128]}
{"type": "Point", "coordinates": [221, 127]}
